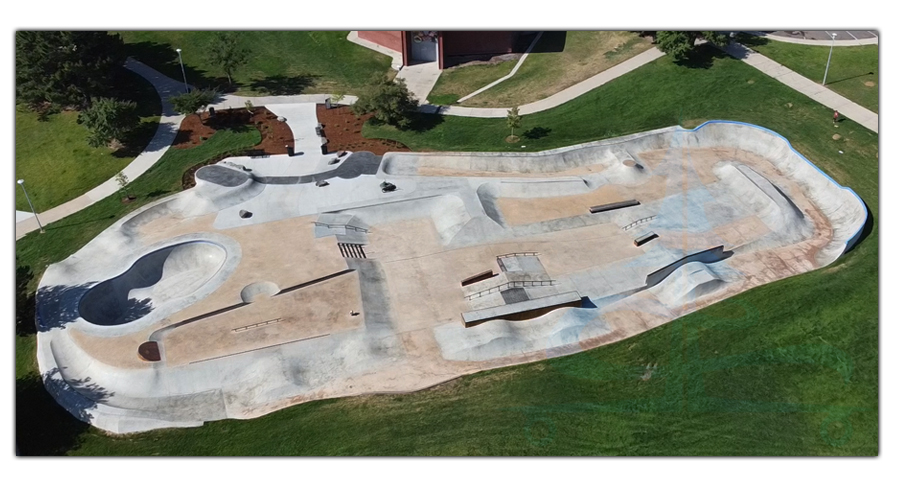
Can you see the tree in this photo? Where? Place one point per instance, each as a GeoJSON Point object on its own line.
{"type": "Point", "coordinates": [389, 101]}
{"type": "Point", "coordinates": [226, 52]}
{"type": "Point", "coordinates": [513, 121]}
{"type": "Point", "coordinates": [122, 180]}
{"type": "Point", "coordinates": [66, 68]}
{"type": "Point", "coordinates": [108, 120]}
{"type": "Point", "coordinates": [680, 44]}
{"type": "Point", "coordinates": [193, 101]}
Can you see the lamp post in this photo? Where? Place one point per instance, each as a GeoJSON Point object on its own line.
{"type": "Point", "coordinates": [829, 57]}
{"type": "Point", "coordinates": [21, 182]}
{"type": "Point", "coordinates": [182, 70]}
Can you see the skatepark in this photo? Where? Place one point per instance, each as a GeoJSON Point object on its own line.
{"type": "Point", "coordinates": [284, 279]}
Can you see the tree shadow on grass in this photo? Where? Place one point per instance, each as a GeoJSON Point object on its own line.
{"type": "Point", "coordinates": [702, 57]}
{"type": "Point", "coordinates": [423, 122]}
{"type": "Point", "coordinates": [282, 85]}
{"type": "Point", "coordinates": [537, 133]}
{"type": "Point", "coordinates": [43, 426]}
{"type": "Point", "coordinates": [147, 136]}
{"type": "Point", "coordinates": [163, 58]}
{"type": "Point", "coordinates": [25, 324]}
{"type": "Point", "coordinates": [751, 40]}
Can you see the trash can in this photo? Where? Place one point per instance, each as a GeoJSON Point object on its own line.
{"type": "Point", "coordinates": [290, 149]}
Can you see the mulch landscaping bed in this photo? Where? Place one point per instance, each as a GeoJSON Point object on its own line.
{"type": "Point", "coordinates": [196, 129]}
{"type": "Point", "coordinates": [275, 134]}
{"type": "Point", "coordinates": [343, 130]}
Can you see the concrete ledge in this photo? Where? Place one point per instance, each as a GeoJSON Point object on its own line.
{"type": "Point", "coordinates": [507, 311]}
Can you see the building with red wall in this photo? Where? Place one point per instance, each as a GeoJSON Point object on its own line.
{"type": "Point", "coordinates": [445, 47]}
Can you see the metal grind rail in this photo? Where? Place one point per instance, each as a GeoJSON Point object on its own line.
{"type": "Point", "coordinates": [256, 325]}
{"type": "Point", "coordinates": [508, 285]}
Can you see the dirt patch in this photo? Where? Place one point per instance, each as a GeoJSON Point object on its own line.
{"type": "Point", "coordinates": [343, 130]}
{"type": "Point", "coordinates": [836, 136]}
{"type": "Point", "coordinates": [869, 84]}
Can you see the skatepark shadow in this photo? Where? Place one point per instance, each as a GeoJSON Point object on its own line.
{"type": "Point", "coordinates": [866, 231]}
{"type": "Point", "coordinates": [43, 427]}
{"type": "Point", "coordinates": [24, 302]}
{"type": "Point", "coordinates": [282, 85]}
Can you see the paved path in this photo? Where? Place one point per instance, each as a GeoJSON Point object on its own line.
{"type": "Point", "coordinates": [165, 134]}
{"type": "Point", "coordinates": [843, 38]}
{"type": "Point", "coordinates": [566, 95]}
{"type": "Point", "coordinates": [511, 73]}
{"type": "Point", "coordinates": [420, 79]}
{"type": "Point", "coordinates": [804, 85]}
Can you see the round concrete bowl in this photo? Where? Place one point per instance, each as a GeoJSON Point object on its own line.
{"type": "Point", "coordinates": [153, 280]}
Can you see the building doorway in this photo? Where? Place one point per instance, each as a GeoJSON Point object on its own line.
{"type": "Point", "coordinates": [423, 46]}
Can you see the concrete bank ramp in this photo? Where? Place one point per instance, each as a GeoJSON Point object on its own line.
{"type": "Point", "coordinates": [161, 276]}
{"type": "Point", "coordinates": [687, 284]}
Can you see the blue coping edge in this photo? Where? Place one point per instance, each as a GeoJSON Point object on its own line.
{"type": "Point", "coordinates": [847, 244]}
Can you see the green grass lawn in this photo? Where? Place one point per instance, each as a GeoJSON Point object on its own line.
{"type": "Point", "coordinates": [559, 60]}
{"type": "Point", "coordinates": [461, 81]}
{"type": "Point", "coordinates": [53, 155]}
{"type": "Point", "coordinates": [821, 399]}
{"type": "Point", "coordinates": [281, 62]}
{"type": "Point", "coordinates": [853, 71]}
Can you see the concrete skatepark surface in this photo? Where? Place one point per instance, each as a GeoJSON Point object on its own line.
{"type": "Point", "coordinates": [262, 289]}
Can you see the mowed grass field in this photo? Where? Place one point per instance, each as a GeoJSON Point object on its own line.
{"type": "Point", "coordinates": [789, 368]}
{"type": "Point", "coordinates": [853, 71]}
{"type": "Point", "coordinates": [53, 156]}
{"type": "Point", "coordinates": [559, 60]}
{"type": "Point", "coordinates": [280, 62]}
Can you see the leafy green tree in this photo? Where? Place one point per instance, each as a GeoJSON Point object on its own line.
{"type": "Point", "coordinates": [108, 120]}
{"type": "Point", "coordinates": [680, 44]}
{"type": "Point", "coordinates": [389, 101]}
{"type": "Point", "coordinates": [513, 120]}
{"type": "Point", "coordinates": [66, 68]}
{"type": "Point", "coordinates": [193, 101]}
{"type": "Point", "coordinates": [226, 52]}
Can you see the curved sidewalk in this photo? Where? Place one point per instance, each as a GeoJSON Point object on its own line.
{"type": "Point", "coordinates": [560, 97]}
{"type": "Point", "coordinates": [165, 135]}
{"type": "Point", "coordinates": [805, 86]}
{"type": "Point", "coordinates": [809, 41]}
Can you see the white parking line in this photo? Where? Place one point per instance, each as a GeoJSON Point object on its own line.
{"type": "Point", "coordinates": [873, 34]}
{"type": "Point", "coordinates": [851, 34]}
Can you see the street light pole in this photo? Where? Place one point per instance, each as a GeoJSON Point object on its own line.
{"type": "Point", "coordinates": [182, 70]}
{"type": "Point", "coordinates": [829, 57]}
{"type": "Point", "coordinates": [21, 182]}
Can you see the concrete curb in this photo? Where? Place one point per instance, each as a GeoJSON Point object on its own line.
{"type": "Point", "coordinates": [827, 43]}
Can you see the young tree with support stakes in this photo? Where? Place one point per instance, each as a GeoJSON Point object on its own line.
{"type": "Point", "coordinates": [226, 52]}
{"type": "Point", "coordinates": [513, 121]}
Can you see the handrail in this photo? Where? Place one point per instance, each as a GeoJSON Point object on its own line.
{"type": "Point", "coordinates": [510, 284]}
{"type": "Point", "coordinates": [638, 222]}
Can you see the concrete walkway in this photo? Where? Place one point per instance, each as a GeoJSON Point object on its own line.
{"type": "Point", "coordinates": [511, 73]}
{"type": "Point", "coordinates": [420, 79]}
{"type": "Point", "coordinates": [560, 97]}
{"type": "Point", "coordinates": [805, 86]}
{"type": "Point", "coordinates": [165, 135]}
{"type": "Point", "coordinates": [843, 39]}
